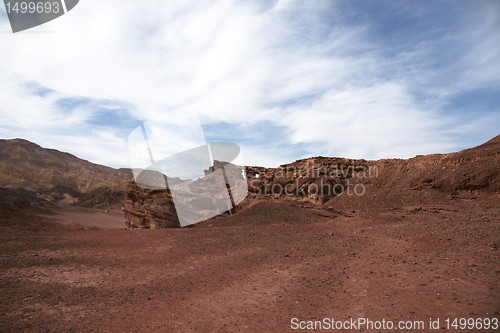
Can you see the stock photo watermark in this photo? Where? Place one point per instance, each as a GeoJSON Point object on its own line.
{"type": "Point", "coordinates": [27, 14]}
{"type": "Point", "coordinates": [204, 178]}
{"type": "Point", "coordinates": [307, 181]}
{"type": "Point", "coordinates": [357, 324]}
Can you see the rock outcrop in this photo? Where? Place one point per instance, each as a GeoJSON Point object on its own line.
{"type": "Point", "coordinates": [149, 209]}
{"type": "Point", "coordinates": [317, 179]}
{"type": "Point", "coordinates": [349, 185]}
{"type": "Point", "coordinates": [199, 199]}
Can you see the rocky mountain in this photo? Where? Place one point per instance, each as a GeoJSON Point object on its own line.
{"type": "Point", "coordinates": [348, 185]}
{"type": "Point", "coordinates": [32, 176]}
{"type": "Point", "coordinates": [28, 171]}
{"type": "Point", "coordinates": [389, 183]}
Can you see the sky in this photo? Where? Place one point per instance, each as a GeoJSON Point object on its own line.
{"type": "Point", "coordinates": [283, 79]}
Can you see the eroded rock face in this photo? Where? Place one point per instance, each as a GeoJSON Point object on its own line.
{"type": "Point", "coordinates": [347, 185]}
{"type": "Point", "coordinates": [317, 179]}
{"type": "Point", "coordinates": [149, 209]}
{"type": "Point", "coordinates": [195, 200]}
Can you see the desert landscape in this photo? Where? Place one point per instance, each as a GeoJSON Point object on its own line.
{"type": "Point", "coordinates": [419, 244]}
{"type": "Point", "coordinates": [249, 166]}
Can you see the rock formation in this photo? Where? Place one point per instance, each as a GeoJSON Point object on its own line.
{"type": "Point", "coordinates": [347, 184]}
{"type": "Point", "coordinates": [213, 194]}
{"type": "Point", "coordinates": [149, 209]}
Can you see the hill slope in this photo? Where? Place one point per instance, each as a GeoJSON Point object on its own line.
{"type": "Point", "coordinates": [59, 177]}
{"type": "Point", "coordinates": [468, 174]}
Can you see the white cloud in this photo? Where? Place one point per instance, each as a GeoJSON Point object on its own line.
{"type": "Point", "coordinates": [291, 65]}
{"type": "Point", "coordinates": [367, 122]}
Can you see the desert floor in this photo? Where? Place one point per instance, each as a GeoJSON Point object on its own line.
{"type": "Point", "coordinates": [254, 271]}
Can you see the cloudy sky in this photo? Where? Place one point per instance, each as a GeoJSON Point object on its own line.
{"type": "Point", "coordinates": [283, 79]}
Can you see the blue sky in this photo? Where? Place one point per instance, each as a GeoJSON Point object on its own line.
{"type": "Point", "coordinates": [284, 80]}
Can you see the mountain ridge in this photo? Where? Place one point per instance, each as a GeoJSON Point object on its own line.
{"type": "Point", "coordinates": [45, 177]}
{"type": "Point", "coordinates": [58, 177]}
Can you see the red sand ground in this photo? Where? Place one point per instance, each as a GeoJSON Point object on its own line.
{"type": "Point", "coordinates": [89, 219]}
{"type": "Point", "coordinates": [255, 271]}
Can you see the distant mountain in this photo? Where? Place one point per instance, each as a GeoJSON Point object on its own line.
{"type": "Point", "coordinates": [28, 170]}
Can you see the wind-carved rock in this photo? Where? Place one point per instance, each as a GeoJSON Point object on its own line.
{"type": "Point", "coordinates": [149, 209]}
{"type": "Point", "coordinates": [156, 208]}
